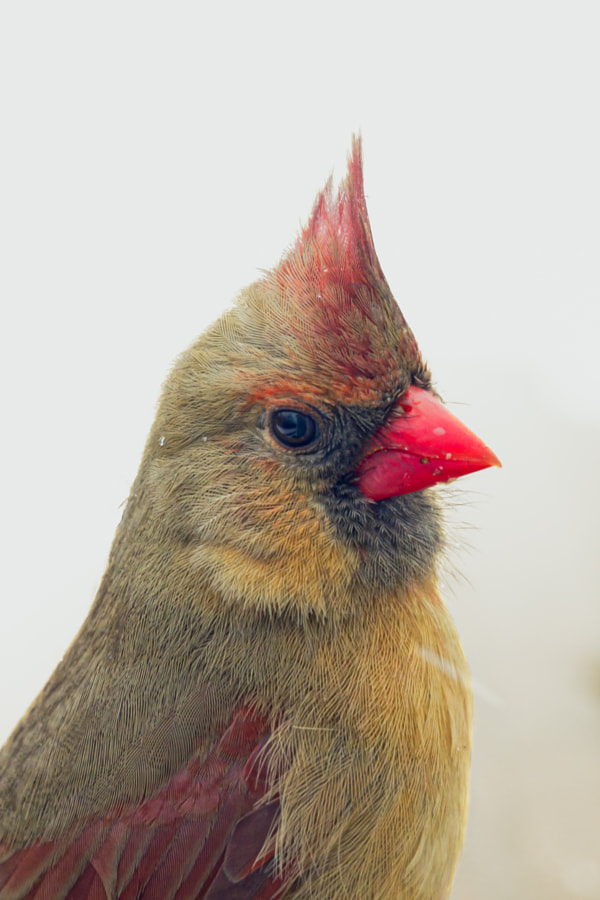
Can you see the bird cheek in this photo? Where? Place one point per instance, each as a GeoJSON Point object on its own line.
{"type": "Point", "coordinates": [287, 564]}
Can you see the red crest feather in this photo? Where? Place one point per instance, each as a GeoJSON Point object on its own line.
{"type": "Point", "coordinates": [339, 229]}
{"type": "Point", "coordinates": [341, 310]}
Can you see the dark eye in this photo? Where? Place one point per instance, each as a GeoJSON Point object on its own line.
{"type": "Point", "coordinates": [293, 428]}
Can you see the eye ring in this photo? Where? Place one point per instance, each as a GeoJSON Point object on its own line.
{"type": "Point", "coordinates": [293, 428]}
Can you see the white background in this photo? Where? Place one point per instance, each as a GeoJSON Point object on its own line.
{"type": "Point", "coordinates": [154, 156]}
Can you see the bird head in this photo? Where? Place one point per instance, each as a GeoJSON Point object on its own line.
{"type": "Point", "coordinates": [296, 440]}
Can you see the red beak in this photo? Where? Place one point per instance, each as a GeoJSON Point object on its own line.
{"type": "Point", "coordinates": [421, 444]}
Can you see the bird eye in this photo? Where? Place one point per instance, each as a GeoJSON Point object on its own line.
{"type": "Point", "coordinates": [294, 429]}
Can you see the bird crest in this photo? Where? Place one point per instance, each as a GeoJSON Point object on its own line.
{"type": "Point", "coordinates": [336, 245]}
{"type": "Point", "coordinates": [339, 304]}
{"type": "Point", "coordinates": [339, 232]}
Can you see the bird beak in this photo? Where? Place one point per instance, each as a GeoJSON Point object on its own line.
{"type": "Point", "coordinates": [420, 444]}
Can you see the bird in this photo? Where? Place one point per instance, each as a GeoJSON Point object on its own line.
{"type": "Point", "coordinates": [268, 697]}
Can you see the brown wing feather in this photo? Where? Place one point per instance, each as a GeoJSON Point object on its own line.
{"type": "Point", "coordinates": [200, 836]}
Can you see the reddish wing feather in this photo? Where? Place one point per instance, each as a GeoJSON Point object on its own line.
{"type": "Point", "coordinates": [181, 844]}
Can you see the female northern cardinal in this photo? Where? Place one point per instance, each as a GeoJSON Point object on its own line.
{"type": "Point", "coordinates": [268, 696]}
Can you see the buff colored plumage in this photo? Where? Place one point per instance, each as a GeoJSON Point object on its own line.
{"type": "Point", "coordinates": [268, 697]}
